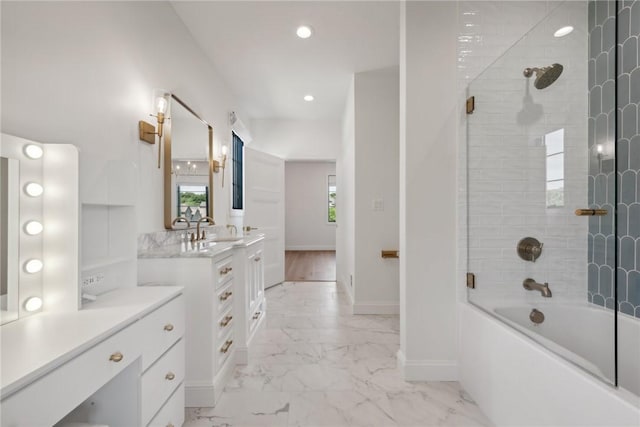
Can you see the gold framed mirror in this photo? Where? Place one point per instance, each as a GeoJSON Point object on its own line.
{"type": "Point", "coordinates": [188, 165]}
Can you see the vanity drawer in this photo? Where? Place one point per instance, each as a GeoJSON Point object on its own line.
{"type": "Point", "coordinates": [172, 413]}
{"type": "Point", "coordinates": [48, 399]}
{"type": "Point", "coordinates": [161, 329]}
{"type": "Point", "coordinates": [226, 347]}
{"type": "Point", "coordinates": [223, 271]}
{"type": "Point", "coordinates": [225, 323]}
{"type": "Point", "coordinates": [224, 296]}
{"type": "Point", "coordinates": [161, 380]}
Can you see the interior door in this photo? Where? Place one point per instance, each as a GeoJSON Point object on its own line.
{"type": "Point", "coordinates": [264, 209]}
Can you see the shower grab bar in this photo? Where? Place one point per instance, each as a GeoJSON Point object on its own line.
{"type": "Point", "coordinates": [591, 212]}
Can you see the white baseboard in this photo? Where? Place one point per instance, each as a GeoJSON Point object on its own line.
{"type": "Point", "coordinates": [427, 370]}
{"type": "Point", "coordinates": [198, 394]}
{"type": "Point", "coordinates": [311, 248]}
{"type": "Point", "coordinates": [375, 307]}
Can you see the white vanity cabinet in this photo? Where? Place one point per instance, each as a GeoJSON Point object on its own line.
{"type": "Point", "coordinates": [224, 292]}
{"type": "Point", "coordinates": [119, 362]}
{"type": "Point", "coordinates": [250, 267]}
{"type": "Point", "coordinates": [210, 291]}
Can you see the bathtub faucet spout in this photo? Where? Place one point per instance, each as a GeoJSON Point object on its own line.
{"type": "Point", "coordinates": [532, 285]}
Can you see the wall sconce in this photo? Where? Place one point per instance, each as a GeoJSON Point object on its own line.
{"type": "Point", "coordinates": [147, 131]}
{"type": "Point", "coordinates": [221, 164]}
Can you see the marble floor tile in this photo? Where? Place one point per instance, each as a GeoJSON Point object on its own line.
{"type": "Point", "coordinates": [313, 363]}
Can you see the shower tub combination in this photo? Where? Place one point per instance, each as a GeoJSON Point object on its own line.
{"type": "Point", "coordinates": [541, 195]}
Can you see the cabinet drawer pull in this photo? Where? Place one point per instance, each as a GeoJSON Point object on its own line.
{"type": "Point", "coordinates": [257, 259]}
{"type": "Point", "coordinates": [226, 270]}
{"type": "Point", "coordinates": [256, 315]}
{"type": "Point", "coordinates": [168, 327]}
{"type": "Point", "coordinates": [225, 296]}
{"type": "Point", "coordinates": [225, 321]}
{"type": "Point", "coordinates": [226, 346]}
{"type": "Point", "coordinates": [116, 357]}
{"type": "Point", "coordinates": [170, 376]}
{"type": "Point", "coordinates": [170, 425]}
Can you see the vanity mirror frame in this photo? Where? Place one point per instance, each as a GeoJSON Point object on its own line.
{"type": "Point", "coordinates": [168, 164]}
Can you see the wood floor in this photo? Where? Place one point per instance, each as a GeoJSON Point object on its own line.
{"type": "Point", "coordinates": [310, 266]}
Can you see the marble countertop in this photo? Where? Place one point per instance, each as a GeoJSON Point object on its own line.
{"type": "Point", "coordinates": [205, 249]}
{"type": "Point", "coordinates": [37, 344]}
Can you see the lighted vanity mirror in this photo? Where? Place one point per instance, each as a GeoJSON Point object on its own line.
{"type": "Point", "coordinates": [188, 166]}
{"type": "Point", "coordinates": [9, 238]}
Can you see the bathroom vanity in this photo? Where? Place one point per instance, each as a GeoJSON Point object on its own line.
{"type": "Point", "coordinates": [119, 361]}
{"type": "Point", "coordinates": [223, 285]}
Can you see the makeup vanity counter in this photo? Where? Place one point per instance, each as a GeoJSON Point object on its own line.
{"type": "Point", "coordinates": [53, 363]}
{"type": "Point", "coordinates": [224, 293]}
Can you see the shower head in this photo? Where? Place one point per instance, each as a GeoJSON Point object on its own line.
{"type": "Point", "coordinates": [545, 76]}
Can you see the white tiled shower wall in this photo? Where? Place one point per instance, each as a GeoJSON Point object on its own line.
{"type": "Point", "coordinates": [506, 165]}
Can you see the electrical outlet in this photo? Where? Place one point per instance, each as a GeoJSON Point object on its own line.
{"type": "Point", "coordinates": [92, 280]}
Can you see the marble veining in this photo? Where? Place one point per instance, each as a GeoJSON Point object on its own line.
{"type": "Point", "coordinates": [315, 364]}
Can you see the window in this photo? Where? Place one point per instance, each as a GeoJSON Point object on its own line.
{"type": "Point", "coordinates": [193, 201]}
{"type": "Point", "coordinates": [554, 143]}
{"type": "Point", "coordinates": [238, 157]}
{"type": "Point", "coordinates": [331, 213]}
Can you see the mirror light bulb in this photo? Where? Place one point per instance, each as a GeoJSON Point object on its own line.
{"type": "Point", "coordinates": [564, 31]}
{"type": "Point", "coordinates": [308, 98]}
{"type": "Point", "coordinates": [33, 189]}
{"type": "Point", "coordinates": [599, 148]}
{"type": "Point", "coordinates": [224, 150]}
{"type": "Point", "coordinates": [161, 104]}
{"type": "Point", "coordinates": [33, 304]}
{"type": "Point", "coordinates": [33, 151]}
{"type": "Point", "coordinates": [33, 228]}
{"type": "Point", "coordinates": [33, 266]}
{"type": "Point", "coordinates": [304, 32]}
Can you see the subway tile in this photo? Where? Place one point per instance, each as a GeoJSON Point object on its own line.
{"type": "Point", "coordinates": [633, 288]}
{"type": "Point", "coordinates": [627, 253]}
{"type": "Point", "coordinates": [627, 308]}
{"type": "Point", "coordinates": [621, 284]}
{"type": "Point", "coordinates": [609, 34]}
{"type": "Point", "coordinates": [628, 187]}
{"type": "Point", "coordinates": [634, 225]}
{"type": "Point", "coordinates": [610, 259]}
{"type": "Point", "coordinates": [630, 55]}
{"type": "Point", "coordinates": [608, 96]}
{"type": "Point", "coordinates": [599, 249]}
{"type": "Point", "coordinates": [623, 153]}
{"type": "Point", "coordinates": [634, 20]}
{"type": "Point", "coordinates": [623, 89]}
{"type": "Point", "coordinates": [606, 281]}
{"type": "Point", "coordinates": [623, 215]}
{"type": "Point", "coordinates": [602, 68]}
{"type": "Point", "coordinates": [598, 300]}
{"type": "Point", "coordinates": [629, 121]}
{"type": "Point", "coordinates": [623, 23]}
{"type": "Point", "coordinates": [634, 87]}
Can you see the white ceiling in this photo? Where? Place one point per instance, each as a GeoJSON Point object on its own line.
{"type": "Point", "coordinates": [254, 47]}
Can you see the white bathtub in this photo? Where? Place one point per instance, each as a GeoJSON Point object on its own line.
{"type": "Point", "coordinates": [516, 380]}
{"type": "Point", "coordinates": [584, 336]}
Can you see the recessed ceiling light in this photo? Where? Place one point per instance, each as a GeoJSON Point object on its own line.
{"type": "Point", "coordinates": [308, 98]}
{"type": "Point", "coordinates": [304, 31]}
{"type": "Point", "coordinates": [563, 31]}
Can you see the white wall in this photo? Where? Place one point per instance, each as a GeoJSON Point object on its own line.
{"type": "Point", "coordinates": [306, 206]}
{"type": "Point", "coordinates": [83, 73]}
{"type": "Point", "coordinates": [345, 198]}
{"type": "Point", "coordinates": [368, 173]}
{"type": "Point", "coordinates": [428, 123]}
{"type": "Point", "coordinates": [376, 288]}
{"type": "Point", "coordinates": [298, 139]}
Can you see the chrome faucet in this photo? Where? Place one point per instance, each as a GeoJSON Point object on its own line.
{"type": "Point", "coordinates": [180, 219]}
{"type": "Point", "coordinates": [198, 236]}
{"type": "Point", "coordinates": [532, 285]}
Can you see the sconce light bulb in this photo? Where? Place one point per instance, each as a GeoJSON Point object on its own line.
{"type": "Point", "coordinates": [161, 104]}
{"type": "Point", "coordinates": [33, 151]}
{"type": "Point", "coordinates": [224, 150]}
{"type": "Point", "coordinates": [599, 148]}
{"type": "Point", "coordinates": [33, 266]}
{"type": "Point", "coordinates": [33, 189]}
{"type": "Point", "coordinates": [33, 304]}
{"type": "Point", "coordinates": [33, 228]}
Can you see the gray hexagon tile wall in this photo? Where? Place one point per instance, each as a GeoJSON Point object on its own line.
{"type": "Point", "coordinates": [625, 168]}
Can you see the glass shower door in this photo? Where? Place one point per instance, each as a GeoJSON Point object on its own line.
{"type": "Point", "coordinates": [542, 186]}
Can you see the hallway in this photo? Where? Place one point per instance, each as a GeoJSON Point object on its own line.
{"type": "Point", "coordinates": [315, 364]}
{"type": "Point", "coordinates": [310, 266]}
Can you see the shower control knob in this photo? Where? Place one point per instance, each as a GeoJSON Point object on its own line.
{"type": "Point", "coordinates": [529, 249]}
